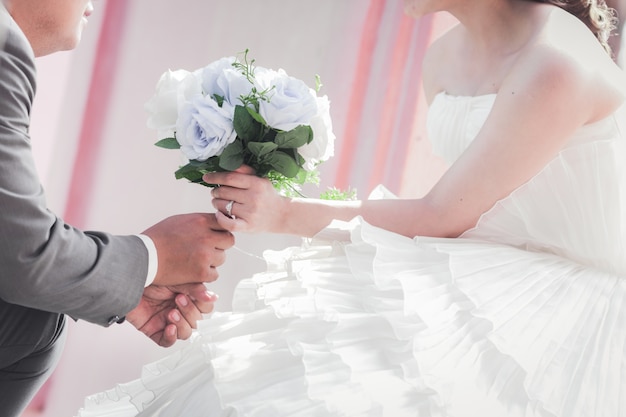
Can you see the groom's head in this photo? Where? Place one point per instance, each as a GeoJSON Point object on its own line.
{"type": "Point", "coordinates": [51, 25]}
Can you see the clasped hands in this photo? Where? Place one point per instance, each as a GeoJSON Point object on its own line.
{"type": "Point", "coordinates": [190, 247]}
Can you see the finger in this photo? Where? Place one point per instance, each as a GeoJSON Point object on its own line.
{"type": "Point", "coordinates": [227, 179]}
{"type": "Point", "coordinates": [204, 302]}
{"type": "Point", "coordinates": [214, 226]}
{"type": "Point", "coordinates": [199, 293]}
{"type": "Point", "coordinates": [232, 225]}
{"type": "Point", "coordinates": [183, 328]}
{"type": "Point", "coordinates": [153, 326]}
{"type": "Point", "coordinates": [219, 237]}
{"type": "Point", "coordinates": [227, 207]}
{"type": "Point", "coordinates": [225, 194]}
{"type": "Point", "coordinates": [215, 257]}
{"type": "Point", "coordinates": [211, 274]}
{"type": "Point", "coordinates": [190, 311]}
{"type": "Point", "coordinates": [196, 292]}
{"type": "Point", "coordinates": [168, 337]}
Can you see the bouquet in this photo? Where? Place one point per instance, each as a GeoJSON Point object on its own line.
{"type": "Point", "coordinates": [232, 112]}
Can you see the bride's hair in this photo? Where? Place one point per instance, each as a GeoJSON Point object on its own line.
{"type": "Point", "coordinates": [598, 17]}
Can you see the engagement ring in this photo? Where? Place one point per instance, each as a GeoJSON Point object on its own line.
{"type": "Point", "coordinates": [229, 208]}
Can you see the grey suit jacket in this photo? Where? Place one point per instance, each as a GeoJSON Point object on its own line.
{"type": "Point", "coordinates": [45, 263]}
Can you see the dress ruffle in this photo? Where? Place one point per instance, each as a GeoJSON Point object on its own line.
{"type": "Point", "coordinates": [384, 325]}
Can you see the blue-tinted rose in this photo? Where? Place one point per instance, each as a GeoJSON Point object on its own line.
{"type": "Point", "coordinates": [204, 129]}
{"type": "Point", "coordinates": [291, 102]}
{"type": "Point", "coordinates": [222, 79]}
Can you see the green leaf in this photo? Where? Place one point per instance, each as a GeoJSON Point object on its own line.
{"type": "Point", "coordinates": [256, 116]}
{"type": "Point", "coordinates": [260, 149]}
{"type": "Point", "coordinates": [269, 136]}
{"type": "Point", "coordinates": [284, 164]}
{"type": "Point", "coordinates": [295, 138]}
{"type": "Point", "coordinates": [190, 173]}
{"type": "Point", "coordinates": [299, 158]}
{"type": "Point", "coordinates": [247, 128]}
{"type": "Point", "coordinates": [232, 156]}
{"type": "Point", "coordinates": [318, 83]}
{"type": "Point", "coordinates": [168, 143]}
{"type": "Point", "coordinates": [210, 165]}
{"type": "Point", "coordinates": [218, 99]}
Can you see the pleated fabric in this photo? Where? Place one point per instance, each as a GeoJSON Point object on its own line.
{"type": "Point", "coordinates": [524, 315]}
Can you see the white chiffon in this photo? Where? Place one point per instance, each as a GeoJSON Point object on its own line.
{"type": "Point", "coordinates": [524, 315]}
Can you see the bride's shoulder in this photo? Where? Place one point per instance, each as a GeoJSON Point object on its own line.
{"type": "Point", "coordinates": [565, 57]}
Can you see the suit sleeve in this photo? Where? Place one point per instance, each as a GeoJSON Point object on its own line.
{"type": "Point", "coordinates": [45, 263]}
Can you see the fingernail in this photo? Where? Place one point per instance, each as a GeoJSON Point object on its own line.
{"type": "Point", "coordinates": [212, 295]}
{"type": "Point", "coordinates": [176, 316]}
{"type": "Point", "coordinates": [182, 300]}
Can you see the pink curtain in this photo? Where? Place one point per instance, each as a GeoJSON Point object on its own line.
{"type": "Point", "coordinates": [385, 123]}
{"type": "Point", "coordinates": [96, 110]}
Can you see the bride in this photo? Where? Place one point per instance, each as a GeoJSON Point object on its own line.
{"type": "Point", "coordinates": [502, 292]}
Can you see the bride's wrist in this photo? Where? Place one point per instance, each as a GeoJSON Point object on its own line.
{"type": "Point", "coordinates": [299, 217]}
{"type": "Point", "coordinates": [285, 216]}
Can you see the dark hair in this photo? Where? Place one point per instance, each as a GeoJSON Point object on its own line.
{"type": "Point", "coordinates": [598, 17]}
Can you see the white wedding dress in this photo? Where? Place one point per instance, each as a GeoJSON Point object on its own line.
{"type": "Point", "coordinates": [524, 315]}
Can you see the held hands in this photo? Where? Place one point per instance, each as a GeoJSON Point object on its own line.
{"type": "Point", "coordinates": [190, 247]}
{"type": "Point", "coordinates": [246, 203]}
{"type": "Point", "coordinates": [166, 314]}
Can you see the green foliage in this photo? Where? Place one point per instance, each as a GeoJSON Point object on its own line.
{"type": "Point", "coordinates": [271, 153]}
{"type": "Point", "coordinates": [168, 143]}
{"type": "Point", "coordinates": [337, 194]}
{"type": "Point", "coordinates": [246, 126]}
{"type": "Point", "coordinates": [232, 156]}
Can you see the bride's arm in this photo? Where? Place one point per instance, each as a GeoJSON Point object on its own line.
{"type": "Point", "coordinates": [258, 208]}
{"type": "Point", "coordinates": [537, 109]}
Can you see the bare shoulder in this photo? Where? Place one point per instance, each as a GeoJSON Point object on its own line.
{"type": "Point", "coordinates": [437, 60]}
{"type": "Point", "coordinates": [565, 59]}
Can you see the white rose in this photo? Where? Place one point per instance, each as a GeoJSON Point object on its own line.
{"type": "Point", "coordinates": [163, 106]}
{"type": "Point", "coordinates": [204, 128]}
{"type": "Point", "coordinates": [222, 79]}
{"type": "Point", "coordinates": [322, 147]}
{"type": "Point", "coordinates": [291, 102]}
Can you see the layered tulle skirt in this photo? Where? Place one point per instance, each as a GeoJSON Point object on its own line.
{"type": "Point", "coordinates": [364, 322]}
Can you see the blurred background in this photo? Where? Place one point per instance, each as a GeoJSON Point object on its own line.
{"type": "Point", "coordinates": [101, 171]}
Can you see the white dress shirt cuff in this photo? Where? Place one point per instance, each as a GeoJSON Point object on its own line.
{"type": "Point", "coordinates": [153, 260]}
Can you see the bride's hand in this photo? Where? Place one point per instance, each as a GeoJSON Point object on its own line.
{"type": "Point", "coordinates": [245, 202]}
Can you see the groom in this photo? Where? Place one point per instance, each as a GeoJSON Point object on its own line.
{"type": "Point", "coordinates": [49, 268]}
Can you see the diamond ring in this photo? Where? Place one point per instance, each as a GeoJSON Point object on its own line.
{"type": "Point", "coordinates": [229, 208]}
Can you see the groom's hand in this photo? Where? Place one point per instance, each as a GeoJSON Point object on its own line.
{"type": "Point", "coordinates": [189, 247]}
{"type": "Point", "coordinates": [166, 314]}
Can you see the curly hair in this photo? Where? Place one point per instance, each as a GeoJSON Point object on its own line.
{"type": "Point", "coordinates": [598, 17]}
